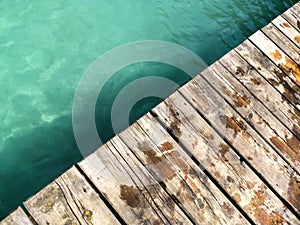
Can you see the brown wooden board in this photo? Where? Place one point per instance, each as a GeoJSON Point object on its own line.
{"type": "Point", "coordinates": [69, 200]}
{"type": "Point", "coordinates": [18, 217]}
{"type": "Point", "coordinates": [236, 178]}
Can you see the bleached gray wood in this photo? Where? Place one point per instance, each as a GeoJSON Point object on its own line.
{"type": "Point", "coordinates": [267, 69]}
{"type": "Point", "coordinates": [283, 42]}
{"type": "Point", "coordinates": [251, 106]}
{"type": "Point", "coordinates": [236, 178]}
{"type": "Point", "coordinates": [168, 162]}
{"type": "Point", "coordinates": [245, 140]}
{"type": "Point", "coordinates": [292, 18]}
{"type": "Point", "coordinates": [129, 187]}
{"type": "Point", "coordinates": [69, 200]}
{"type": "Point", "coordinates": [18, 217]}
{"type": "Point", "coordinates": [287, 29]}
{"type": "Point", "coordinates": [276, 55]}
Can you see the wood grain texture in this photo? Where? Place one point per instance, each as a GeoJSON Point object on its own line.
{"type": "Point", "coordinates": [69, 200]}
{"type": "Point", "coordinates": [254, 107]}
{"type": "Point", "coordinates": [18, 217]}
{"type": "Point", "coordinates": [180, 176]}
{"type": "Point", "coordinates": [291, 16]}
{"type": "Point", "coordinates": [210, 150]}
{"type": "Point", "coordinates": [287, 29]}
{"type": "Point", "coordinates": [269, 71]}
{"type": "Point", "coordinates": [282, 41]}
{"type": "Point", "coordinates": [286, 113]}
{"type": "Point", "coordinates": [296, 9]}
{"type": "Point", "coordinates": [130, 188]}
{"type": "Point", "coordinates": [276, 55]}
{"type": "Point", "coordinates": [245, 140]}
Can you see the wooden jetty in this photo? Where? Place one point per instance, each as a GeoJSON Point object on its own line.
{"type": "Point", "coordinates": [222, 149]}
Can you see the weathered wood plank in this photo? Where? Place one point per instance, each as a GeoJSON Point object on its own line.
{"type": "Point", "coordinates": [236, 178]}
{"type": "Point", "coordinates": [269, 71]}
{"type": "Point", "coordinates": [282, 41]}
{"type": "Point", "coordinates": [292, 18]}
{"type": "Point", "coordinates": [164, 201]}
{"type": "Point", "coordinates": [247, 142]}
{"type": "Point", "coordinates": [69, 200]}
{"type": "Point", "coordinates": [18, 217]}
{"type": "Point", "coordinates": [287, 29]}
{"type": "Point", "coordinates": [167, 161]}
{"type": "Point", "coordinates": [296, 9]}
{"type": "Point", "coordinates": [286, 113]}
{"type": "Point", "coordinates": [252, 109]}
{"type": "Point", "coordinates": [276, 55]}
{"type": "Point", "coordinates": [129, 187]}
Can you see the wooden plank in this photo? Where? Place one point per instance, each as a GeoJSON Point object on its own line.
{"type": "Point", "coordinates": [69, 200]}
{"type": "Point", "coordinates": [296, 10]}
{"type": "Point", "coordinates": [181, 177]}
{"type": "Point", "coordinates": [276, 55]}
{"type": "Point", "coordinates": [270, 72]}
{"type": "Point", "coordinates": [287, 29]}
{"type": "Point", "coordinates": [236, 178]}
{"type": "Point", "coordinates": [18, 217]}
{"type": "Point", "coordinates": [288, 115]}
{"type": "Point", "coordinates": [251, 107]}
{"type": "Point", "coordinates": [247, 142]}
{"type": "Point", "coordinates": [163, 200]}
{"type": "Point", "coordinates": [292, 18]}
{"type": "Point", "coordinates": [129, 187]}
{"type": "Point", "coordinates": [282, 41]}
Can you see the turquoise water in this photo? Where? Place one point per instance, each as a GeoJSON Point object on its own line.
{"type": "Point", "coordinates": [46, 46]}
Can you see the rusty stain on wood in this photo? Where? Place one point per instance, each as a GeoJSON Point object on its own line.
{"type": "Point", "coordinates": [241, 101]}
{"type": "Point", "coordinates": [290, 67]}
{"type": "Point", "coordinates": [131, 196]}
{"type": "Point", "coordinates": [223, 150]}
{"type": "Point", "coordinates": [166, 146]}
{"type": "Point", "coordinates": [294, 141]}
{"type": "Point", "coordinates": [284, 147]}
{"type": "Point", "coordinates": [276, 55]}
{"type": "Point", "coordinates": [237, 198]}
{"type": "Point", "coordinates": [240, 71]}
{"type": "Point", "coordinates": [233, 123]}
{"type": "Point", "coordinates": [255, 81]}
{"type": "Point", "coordinates": [262, 215]}
{"type": "Point", "coordinates": [286, 25]}
{"type": "Point", "coordinates": [175, 123]}
{"type": "Point", "coordinates": [291, 92]}
{"type": "Point", "coordinates": [294, 191]}
{"type": "Point", "coordinates": [152, 156]}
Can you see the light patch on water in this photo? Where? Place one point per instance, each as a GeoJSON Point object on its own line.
{"type": "Point", "coordinates": [48, 118]}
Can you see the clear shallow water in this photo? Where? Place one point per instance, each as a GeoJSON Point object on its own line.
{"type": "Point", "coordinates": [45, 47]}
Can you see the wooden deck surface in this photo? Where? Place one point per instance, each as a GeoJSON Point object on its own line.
{"type": "Point", "coordinates": [222, 149]}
